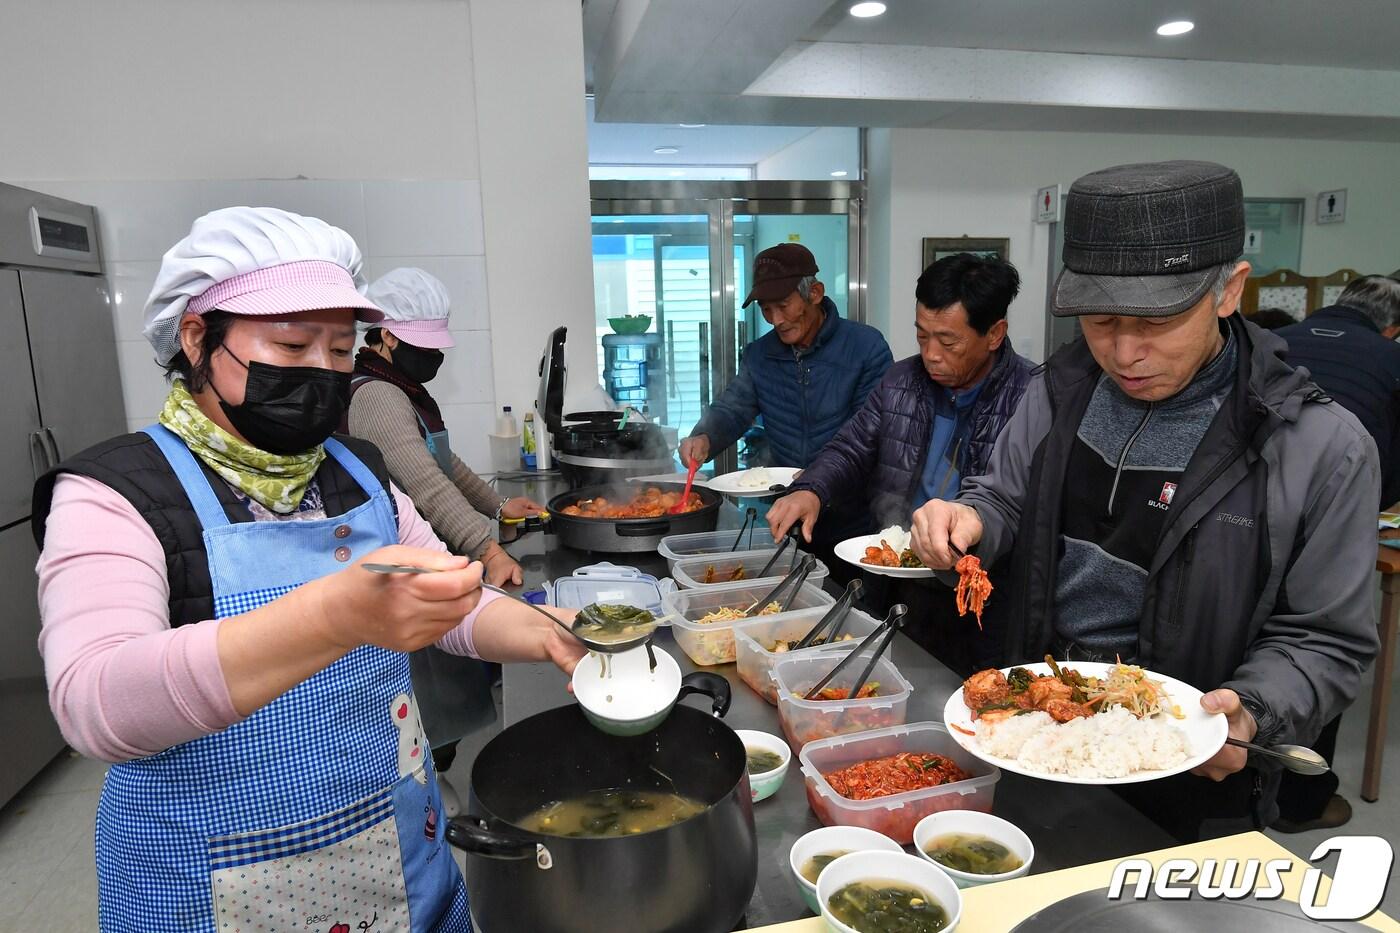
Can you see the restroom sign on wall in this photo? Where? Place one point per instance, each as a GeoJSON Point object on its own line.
{"type": "Point", "coordinates": [1332, 206]}
{"type": "Point", "coordinates": [1253, 241]}
{"type": "Point", "coordinates": [1047, 205]}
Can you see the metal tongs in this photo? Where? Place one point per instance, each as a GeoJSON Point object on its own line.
{"type": "Point", "coordinates": [795, 579]}
{"type": "Point", "coordinates": [789, 538]}
{"type": "Point", "coordinates": [893, 623]}
{"type": "Point", "coordinates": [750, 523]}
{"type": "Point", "coordinates": [835, 617]}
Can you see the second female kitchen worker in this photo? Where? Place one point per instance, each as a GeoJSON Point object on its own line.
{"type": "Point", "coordinates": [207, 626]}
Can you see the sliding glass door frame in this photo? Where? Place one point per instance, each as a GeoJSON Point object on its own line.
{"type": "Point", "coordinates": [721, 202]}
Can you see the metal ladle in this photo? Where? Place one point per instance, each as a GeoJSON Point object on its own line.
{"type": "Point", "coordinates": [612, 647]}
{"type": "Point", "coordinates": [1295, 758]}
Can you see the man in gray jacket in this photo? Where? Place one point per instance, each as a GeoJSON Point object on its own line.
{"type": "Point", "coordinates": [1171, 492]}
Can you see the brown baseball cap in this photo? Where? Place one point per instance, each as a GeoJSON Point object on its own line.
{"type": "Point", "coordinates": [778, 269]}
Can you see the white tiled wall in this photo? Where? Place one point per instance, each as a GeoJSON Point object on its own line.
{"type": "Point", "coordinates": [435, 225]}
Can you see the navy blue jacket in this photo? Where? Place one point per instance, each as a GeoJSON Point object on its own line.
{"type": "Point", "coordinates": [1344, 352]}
{"type": "Point", "coordinates": [879, 455]}
{"type": "Point", "coordinates": [804, 396]}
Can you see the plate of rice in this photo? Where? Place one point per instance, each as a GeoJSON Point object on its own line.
{"type": "Point", "coordinates": [1121, 725]}
{"type": "Point", "coordinates": [893, 541]}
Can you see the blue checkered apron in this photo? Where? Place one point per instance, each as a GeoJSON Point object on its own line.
{"type": "Point", "coordinates": [318, 813]}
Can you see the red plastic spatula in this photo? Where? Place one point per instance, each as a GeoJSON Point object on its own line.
{"type": "Point", "coordinates": [679, 507]}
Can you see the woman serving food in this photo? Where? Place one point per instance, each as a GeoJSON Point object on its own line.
{"type": "Point", "coordinates": [207, 628]}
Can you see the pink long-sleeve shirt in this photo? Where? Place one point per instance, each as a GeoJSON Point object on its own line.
{"type": "Point", "coordinates": [122, 683]}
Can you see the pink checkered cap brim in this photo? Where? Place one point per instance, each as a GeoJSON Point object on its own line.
{"type": "Point", "coordinates": [429, 335]}
{"type": "Point", "coordinates": [307, 285]}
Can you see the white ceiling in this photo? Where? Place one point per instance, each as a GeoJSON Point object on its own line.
{"type": "Point", "coordinates": [1285, 68]}
{"type": "Point", "coordinates": [1349, 34]}
{"type": "Point", "coordinates": [632, 143]}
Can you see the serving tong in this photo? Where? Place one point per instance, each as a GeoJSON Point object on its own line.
{"type": "Point", "coordinates": [614, 647]}
{"type": "Point", "coordinates": [835, 617]}
{"type": "Point", "coordinates": [885, 632]}
{"type": "Point", "coordinates": [795, 578]}
{"type": "Point", "coordinates": [750, 522]}
{"type": "Point", "coordinates": [788, 539]}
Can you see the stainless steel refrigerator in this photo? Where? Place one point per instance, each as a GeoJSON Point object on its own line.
{"type": "Point", "coordinates": [60, 391]}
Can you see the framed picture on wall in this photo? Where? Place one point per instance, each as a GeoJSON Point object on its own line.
{"type": "Point", "coordinates": [938, 247]}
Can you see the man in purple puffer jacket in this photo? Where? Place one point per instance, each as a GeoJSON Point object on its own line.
{"type": "Point", "coordinates": [932, 421]}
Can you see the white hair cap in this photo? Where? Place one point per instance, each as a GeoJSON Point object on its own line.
{"type": "Point", "coordinates": [254, 261]}
{"type": "Point", "coordinates": [416, 307]}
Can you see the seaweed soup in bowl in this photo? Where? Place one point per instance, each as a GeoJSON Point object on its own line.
{"type": "Point", "coordinates": [973, 854]}
{"type": "Point", "coordinates": [887, 907]}
{"type": "Point", "coordinates": [761, 760]}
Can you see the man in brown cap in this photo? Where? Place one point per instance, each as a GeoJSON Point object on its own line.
{"type": "Point", "coordinates": [1171, 492]}
{"type": "Point", "coordinates": [805, 378]}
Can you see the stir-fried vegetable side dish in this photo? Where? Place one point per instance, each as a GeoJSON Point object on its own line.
{"type": "Point", "coordinates": [649, 503]}
{"type": "Point", "coordinates": [784, 645]}
{"type": "Point", "coordinates": [729, 575]}
{"type": "Point", "coordinates": [1066, 694]}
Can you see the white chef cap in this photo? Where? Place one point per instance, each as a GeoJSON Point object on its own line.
{"type": "Point", "coordinates": [253, 261]}
{"type": "Point", "coordinates": [416, 307]}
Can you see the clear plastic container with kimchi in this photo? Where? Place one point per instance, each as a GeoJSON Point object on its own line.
{"type": "Point", "coordinates": [760, 644]}
{"type": "Point", "coordinates": [883, 700]}
{"type": "Point", "coordinates": [894, 814]}
{"type": "Point", "coordinates": [702, 621]}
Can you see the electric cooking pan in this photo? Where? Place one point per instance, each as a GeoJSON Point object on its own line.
{"type": "Point", "coordinates": [628, 535]}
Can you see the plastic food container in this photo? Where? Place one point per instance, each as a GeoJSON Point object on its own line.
{"type": "Point", "coordinates": [808, 720]}
{"type": "Point", "coordinates": [713, 642]}
{"type": "Point", "coordinates": [700, 543]}
{"type": "Point", "coordinates": [756, 661]}
{"type": "Point", "coordinates": [690, 572]}
{"type": "Point", "coordinates": [610, 585]}
{"type": "Point", "coordinates": [896, 815]}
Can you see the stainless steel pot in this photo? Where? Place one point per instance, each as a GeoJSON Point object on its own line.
{"type": "Point", "coordinates": [628, 535]}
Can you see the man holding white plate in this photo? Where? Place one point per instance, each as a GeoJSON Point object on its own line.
{"type": "Point", "coordinates": [1172, 492]}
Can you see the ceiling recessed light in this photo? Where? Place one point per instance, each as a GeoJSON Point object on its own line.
{"type": "Point", "coordinates": [665, 150]}
{"type": "Point", "coordinates": [1178, 27]}
{"type": "Point", "coordinates": [867, 10]}
{"type": "Point", "coordinates": [839, 173]}
{"type": "Point", "coordinates": [690, 126]}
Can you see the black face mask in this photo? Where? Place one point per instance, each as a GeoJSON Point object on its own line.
{"type": "Point", "coordinates": [288, 409]}
{"type": "Point", "coordinates": [416, 363]}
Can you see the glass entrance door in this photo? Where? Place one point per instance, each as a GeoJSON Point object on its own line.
{"type": "Point", "coordinates": [655, 255]}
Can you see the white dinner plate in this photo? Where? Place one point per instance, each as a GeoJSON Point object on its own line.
{"type": "Point", "coordinates": [1205, 732]}
{"type": "Point", "coordinates": [754, 483]}
{"type": "Point", "coordinates": [852, 551]}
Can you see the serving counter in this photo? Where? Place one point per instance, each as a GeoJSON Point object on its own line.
{"type": "Point", "coordinates": [1069, 825]}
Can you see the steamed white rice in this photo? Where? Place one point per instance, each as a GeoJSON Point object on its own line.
{"type": "Point", "coordinates": [1111, 744]}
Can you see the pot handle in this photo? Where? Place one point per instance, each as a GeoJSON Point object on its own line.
{"type": "Point", "coordinates": [469, 833]}
{"type": "Point", "coordinates": [711, 685]}
{"type": "Point", "coordinates": [642, 531]}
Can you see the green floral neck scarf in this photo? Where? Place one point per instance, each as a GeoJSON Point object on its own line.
{"type": "Point", "coordinates": [275, 481]}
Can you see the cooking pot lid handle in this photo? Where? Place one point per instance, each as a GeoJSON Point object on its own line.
{"type": "Point", "coordinates": [711, 685]}
{"type": "Point", "coordinates": [469, 833]}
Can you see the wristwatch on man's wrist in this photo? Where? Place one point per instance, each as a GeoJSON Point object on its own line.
{"type": "Point", "coordinates": [500, 509]}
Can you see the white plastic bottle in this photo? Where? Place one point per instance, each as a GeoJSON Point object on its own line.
{"type": "Point", "coordinates": [506, 425]}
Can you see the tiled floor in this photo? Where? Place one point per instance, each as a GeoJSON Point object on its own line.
{"type": "Point", "coordinates": [48, 883]}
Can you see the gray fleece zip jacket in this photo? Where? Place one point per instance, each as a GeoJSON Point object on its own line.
{"type": "Point", "coordinates": [1261, 575]}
